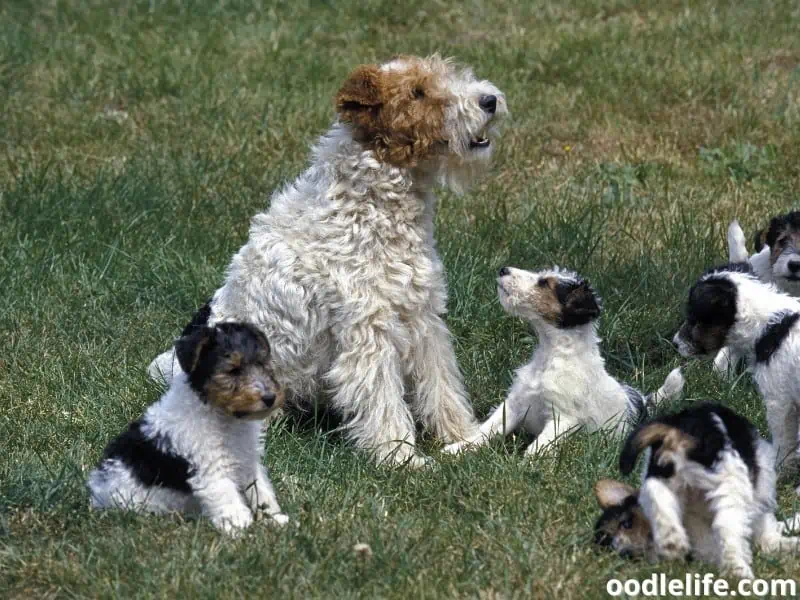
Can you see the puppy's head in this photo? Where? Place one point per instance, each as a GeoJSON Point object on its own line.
{"type": "Point", "coordinates": [710, 313]}
{"type": "Point", "coordinates": [783, 239]}
{"type": "Point", "coordinates": [553, 297]}
{"type": "Point", "coordinates": [228, 365]}
{"type": "Point", "coordinates": [622, 526]}
{"type": "Point", "coordinates": [411, 110]}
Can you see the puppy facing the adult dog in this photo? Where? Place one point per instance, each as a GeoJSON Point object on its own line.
{"type": "Point", "coordinates": [776, 260]}
{"type": "Point", "coordinates": [565, 385]}
{"type": "Point", "coordinates": [198, 449]}
{"type": "Point", "coordinates": [342, 272]}
{"type": "Point", "coordinates": [708, 487]}
{"type": "Point", "coordinates": [756, 320]}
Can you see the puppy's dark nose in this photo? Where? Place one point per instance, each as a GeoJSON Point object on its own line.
{"type": "Point", "coordinates": [268, 399]}
{"type": "Point", "coordinates": [504, 271]}
{"type": "Point", "coordinates": [794, 266]}
{"type": "Point", "coordinates": [488, 103]}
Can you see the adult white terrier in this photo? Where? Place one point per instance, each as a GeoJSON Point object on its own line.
{"type": "Point", "coordinates": [565, 385]}
{"type": "Point", "coordinates": [342, 272]}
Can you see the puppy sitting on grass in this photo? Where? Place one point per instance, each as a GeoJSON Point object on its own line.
{"type": "Point", "coordinates": [565, 385]}
{"type": "Point", "coordinates": [198, 449]}
{"type": "Point", "coordinates": [708, 487]}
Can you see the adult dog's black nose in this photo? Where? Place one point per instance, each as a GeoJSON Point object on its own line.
{"type": "Point", "coordinates": [268, 399]}
{"type": "Point", "coordinates": [504, 271]}
{"type": "Point", "coordinates": [794, 266]}
{"type": "Point", "coordinates": [488, 103]}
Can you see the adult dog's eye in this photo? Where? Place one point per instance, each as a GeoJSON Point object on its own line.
{"type": "Point", "coordinates": [627, 523]}
{"type": "Point", "coordinates": [542, 282]}
{"type": "Point", "coordinates": [419, 93]}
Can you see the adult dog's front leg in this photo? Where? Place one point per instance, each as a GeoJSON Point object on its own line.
{"type": "Point", "coordinates": [440, 399]}
{"type": "Point", "coordinates": [368, 392]}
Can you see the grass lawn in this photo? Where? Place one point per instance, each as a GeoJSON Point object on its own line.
{"type": "Point", "coordinates": [137, 138]}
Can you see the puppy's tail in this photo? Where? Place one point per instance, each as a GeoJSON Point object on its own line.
{"type": "Point", "coordinates": [672, 388]}
{"type": "Point", "coordinates": [737, 249]}
{"type": "Point", "coordinates": [670, 440]}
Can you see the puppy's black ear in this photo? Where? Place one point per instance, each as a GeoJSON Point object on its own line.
{"type": "Point", "coordinates": [191, 348]}
{"type": "Point", "coordinates": [580, 306]}
{"type": "Point", "coordinates": [758, 240]}
{"type": "Point", "coordinates": [777, 226]}
{"type": "Point", "coordinates": [712, 302]}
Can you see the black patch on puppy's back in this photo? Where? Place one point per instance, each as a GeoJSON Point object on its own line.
{"type": "Point", "coordinates": [151, 459]}
{"type": "Point", "coordinates": [637, 406]}
{"type": "Point", "coordinates": [773, 335]}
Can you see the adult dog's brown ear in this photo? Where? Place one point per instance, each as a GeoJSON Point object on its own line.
{"type": "Point", "coordinates": [359, 98]}
{"type": "Point", "coordinates": [190, 348]}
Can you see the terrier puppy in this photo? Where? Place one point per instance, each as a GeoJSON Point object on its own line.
{"type": "Point", "coordinates": [199, 448]}
{"type": "Point", "coordinates": [342, 271]}
{"type": "Point", "coordinates": [565, 385]}
{"type": "Point", "coordinates": [759, 322]}
{"type": "Point", "coordinates": [708, 487]}
{"type": "Point", "coordinates": [776, 260]}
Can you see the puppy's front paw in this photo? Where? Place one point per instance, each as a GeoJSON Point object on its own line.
{"type": "Point", "coordinates": [674, 545]}
{"type": "Point", "coordinates": [233, 521]}
{"type": "Point", "coordinates": [456, 447]}
{"type": "Point", "coordinates": [742, 571]}
{"type": "Point", "coordinates": [276, 519]}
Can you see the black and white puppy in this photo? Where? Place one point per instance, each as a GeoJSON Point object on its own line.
{"type": "Point", "coordinates": [759, 322]}
{"type": "Point", "coordinates": [708, 487]}
{"type": "Point", "coordinates": [199, 448]}
{"type": "Point", "coordinates": [776, 260]}
{"type": "Point", "coordinates": [565, 385]}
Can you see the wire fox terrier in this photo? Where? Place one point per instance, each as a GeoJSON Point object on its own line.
{"type": "Point", "coordinates": [776, 260]}
{"type": "Point", "coordinates": [708, 487]}
{"type": "Point", "coordinates": [565, 385]}
{"type": "Point", "coordinates": [199, 448]}
{"type": "Point", "coordinates": [342, 272]}
{"type": "Point", "coordinates": [759, 322]}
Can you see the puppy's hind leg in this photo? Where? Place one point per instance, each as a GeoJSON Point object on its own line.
{"type": "Point", "coordinates": [672, 388]}
{"type": "Point", "coordinates": [367, 384]}
{"type": "Point", "coordinates": [731, 502]}
{"type": "Point", "coordinates": [440, 399]}
{"type": "Point", "coordinates": [768, 533]}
